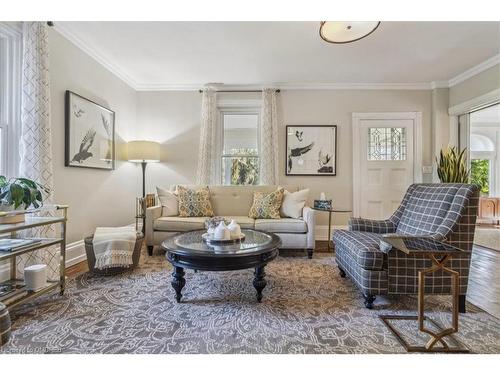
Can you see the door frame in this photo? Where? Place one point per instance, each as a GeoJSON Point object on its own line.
{"type": "Point", "coordinates": [357, 117]}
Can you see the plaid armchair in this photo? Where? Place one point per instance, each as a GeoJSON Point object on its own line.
{"type": "Point", "coordinates": [445, 212]}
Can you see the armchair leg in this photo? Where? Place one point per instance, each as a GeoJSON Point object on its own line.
{"type": "Point", "coordinates": [461, 304]}
{"type": "Point", "coordinates": [310, 253]}
{"type": "Point", "coordinates": [150, 250]}
{"type": "Point", "coordinates": [342, 272]}
{"type": "Point", "coordinates": [369, 301]}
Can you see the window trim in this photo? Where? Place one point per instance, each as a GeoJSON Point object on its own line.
{"type": "Point", "coordinates": [232, 107]}
{"type": "Point", "coordinates": [10, 106]}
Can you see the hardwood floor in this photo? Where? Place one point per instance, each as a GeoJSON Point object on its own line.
{"type": "Point", "coordinates": [484, 279]}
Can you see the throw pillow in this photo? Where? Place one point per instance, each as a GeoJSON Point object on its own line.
{"type": "Point", "coordinates": [266, 206]}
{"type": "Point", "coordinates": [169, 202]}
{"type": "Point", "coordinates": [293, 203]}
{"type": "Point", "coordinates": [194, 203]}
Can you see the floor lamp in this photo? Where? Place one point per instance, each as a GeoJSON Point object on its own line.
{"type": "Point", "coordinates": [143, 152]}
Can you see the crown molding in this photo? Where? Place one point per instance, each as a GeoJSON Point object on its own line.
{"type": "Point", "coordinates": [475, 103]}
{"type": "Point", "coordinates": [117, 71]}
{"type": "Point", "coordinates": [290, 86]}
{"type": "Point", "coordinates": [92, 52]}
{"type": "Point", "coordinates": [479, 68]}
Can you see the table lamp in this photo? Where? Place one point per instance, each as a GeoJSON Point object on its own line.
{"type": "Point", "coordinates": [143, 152]}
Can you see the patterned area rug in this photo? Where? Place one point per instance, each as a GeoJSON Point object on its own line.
{"type": "Point", "coordinates": [307, 308]}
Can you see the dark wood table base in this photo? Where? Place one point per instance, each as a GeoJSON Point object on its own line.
{"type": "Point", "coordinates": [178, 282]}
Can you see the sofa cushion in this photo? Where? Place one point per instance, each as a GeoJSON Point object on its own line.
{"type": "Point", "coordinates": [245, 222]}
{"type": "Point", "coordinates": [169, 202]}
{"type": "Point", "coordinates": [293, 203]}
{"type": "Point", "coordinates": [362, 247]}
{"type": "Point", "coordinates": [194, 203]}
{"type": "Point", "coordinates": [267, 206]}
{"type": "Point", "coordinates": [234, 200]}
{"type": "Point", "coordinates": [179, 224]}
{"type": "Point", "coordinates": [284, 225]}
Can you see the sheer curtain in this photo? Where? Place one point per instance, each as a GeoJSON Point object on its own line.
{"type": "Point", "coordinates": [35, 142]}
{"type": "Point", "coordinates": [269, 139]}
{"type": "Point", "coordinates": [207, 155]}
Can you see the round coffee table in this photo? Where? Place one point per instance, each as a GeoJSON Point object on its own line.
{"type": "Point", "coordinates": [189, 250]}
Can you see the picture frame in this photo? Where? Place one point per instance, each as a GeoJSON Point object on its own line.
{"type": "Point", "coordinates": [311, 150]}
{"type": "Point", "coordinates": [89, 133]}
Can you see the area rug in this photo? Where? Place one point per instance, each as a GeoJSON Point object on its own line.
{"type": "Point", "coordinates": [487, 237]}
{"type": "Point", "coordinates": [307, 308]}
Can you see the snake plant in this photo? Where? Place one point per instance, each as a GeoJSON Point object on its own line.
{"type": "Point", "coordinates": [452, 165]}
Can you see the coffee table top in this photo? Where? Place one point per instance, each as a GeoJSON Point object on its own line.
{"type": "Point", "coordinates": [191, 243]}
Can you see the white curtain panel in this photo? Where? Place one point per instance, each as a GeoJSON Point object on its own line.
{"type": "Point", "coordinates": [36, 149]}
{"type": "Point", "coordinates": [207, 155]}
{"type": "Point", "coordinates": [269, 139]}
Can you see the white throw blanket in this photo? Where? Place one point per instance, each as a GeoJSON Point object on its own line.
{"type": "Point", "coordinates": [113, 247]}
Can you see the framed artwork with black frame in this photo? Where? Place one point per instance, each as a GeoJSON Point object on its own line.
{"type": "Point", "coordinates": [311, 150]}
{"type": "Point", "coordinates": [90, 134]}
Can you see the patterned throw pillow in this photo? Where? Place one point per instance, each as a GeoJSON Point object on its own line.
{"type": "Point", "coordinates": [194, 203]}
{"type": "Point", "coordinates": [266, 206]}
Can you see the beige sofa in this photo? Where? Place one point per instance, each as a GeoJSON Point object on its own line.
{"type": "Point", "coordinates": [234, 202]}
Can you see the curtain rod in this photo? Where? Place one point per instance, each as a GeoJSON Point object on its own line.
{"type": "Point", "coordinates": [278, 90]}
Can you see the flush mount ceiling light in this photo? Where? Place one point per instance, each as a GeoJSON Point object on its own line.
{"type": "Point", "coordinates": [340, 32]}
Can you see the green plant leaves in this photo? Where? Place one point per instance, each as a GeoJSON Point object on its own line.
{"type": "Point", "coordinates": [452, 166]}
{"type": "Point", "coordinates": [21, 191]}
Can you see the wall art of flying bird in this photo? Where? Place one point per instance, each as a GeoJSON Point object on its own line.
{"type": "Point", "coordinates": [84, 153]}
{"type": "Point", "coordinates": [298, 151]}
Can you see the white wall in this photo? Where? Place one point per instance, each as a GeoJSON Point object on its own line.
{"type": "Point", "coordinates": [173, 118]}
{"type": "Point", "coordinates": [95, 197]}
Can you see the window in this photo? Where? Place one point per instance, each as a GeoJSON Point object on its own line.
{"type": "Point", "coordinates": [240, 146]}
{"type": "Point", "coordinates": [10, 97]}
{"type": "Point", "coordinates": [386, 144]}
{"type": "Point", "coordinates": [481, 174]}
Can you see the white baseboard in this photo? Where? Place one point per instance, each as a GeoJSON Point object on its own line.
{"type": "Point", "coordinates": [321, 231]}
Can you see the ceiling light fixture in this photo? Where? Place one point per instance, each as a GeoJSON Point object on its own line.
{"type": "Point", "coordinates": [340, 32]}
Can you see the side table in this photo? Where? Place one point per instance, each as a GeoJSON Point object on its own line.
{"type": "Point", "coordinates": [439, 253]}
{"type": "Point", "coordinates": [330, 211]}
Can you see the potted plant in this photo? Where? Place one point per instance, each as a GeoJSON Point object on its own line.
{"type": "Point", "coordinates": [18, 193]}
{"type": "Point", "coordinates": [452, 166]}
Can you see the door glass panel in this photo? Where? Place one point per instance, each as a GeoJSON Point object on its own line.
{"type": "Point", "coordinates": [386, 143]}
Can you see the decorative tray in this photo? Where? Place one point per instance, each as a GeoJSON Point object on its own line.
{"type": "Point", "coordinates": [208, 237]}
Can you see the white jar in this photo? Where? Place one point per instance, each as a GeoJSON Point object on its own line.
{"type": "Point", "coordinates": [35, 277]}
{"type": "Point", "coordinates": [234, 230]}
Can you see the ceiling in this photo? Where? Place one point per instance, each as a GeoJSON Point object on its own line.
{"type": "Point", "coordinates": [170, 55]}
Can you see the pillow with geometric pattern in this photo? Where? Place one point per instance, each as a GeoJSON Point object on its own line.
{"type": "Point", "coordinates": [266, 206]}
{"type": "Point", "coordinates": [194, 203]}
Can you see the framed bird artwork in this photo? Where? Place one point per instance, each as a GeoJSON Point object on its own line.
{"type": "Point", "coordinates": [311, 150]}
{"type": "Point", "coordinates": [90, 133]}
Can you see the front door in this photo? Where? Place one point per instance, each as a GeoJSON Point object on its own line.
{"type": "Point", "coordinates": [385, 162]}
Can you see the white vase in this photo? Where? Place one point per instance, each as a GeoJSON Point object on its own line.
{"type": "Point", "coordinates": [234, 229]}
{"type": "Point", "coordinates": [221, 232]}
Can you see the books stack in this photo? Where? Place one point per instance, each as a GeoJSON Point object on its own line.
{"type": "Point", "coordinates": [12, 288]}
{"type": "Point", "coordinates": [11, 244]}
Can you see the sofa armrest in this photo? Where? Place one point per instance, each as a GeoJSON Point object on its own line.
{"type": "Point", "coordinates": [152, 213]}
{"type": "Point", "coordinates": [374, 226]}
{"type": "Point", "coordinates": [308, 214]}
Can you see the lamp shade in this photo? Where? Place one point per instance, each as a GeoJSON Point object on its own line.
{"type": "Point", "coordinates": [143, 151]}
{"type": "Point", "coordinates": [340, 32]}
